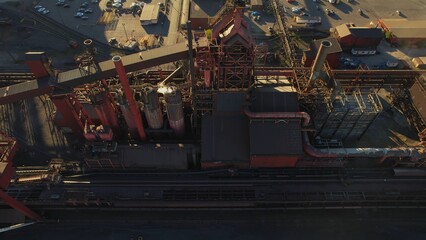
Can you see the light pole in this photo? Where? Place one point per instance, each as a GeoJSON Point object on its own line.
{"type": "Point", "coordinates": [125, 32]}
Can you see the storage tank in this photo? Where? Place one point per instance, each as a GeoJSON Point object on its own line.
{"type": "Point", "coordinates": [152, 108]}
{"type": "Point", "coordinates": [173, 98]}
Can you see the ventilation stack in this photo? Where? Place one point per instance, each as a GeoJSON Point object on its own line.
{"type": "Point", "coordinates": [319, 61]}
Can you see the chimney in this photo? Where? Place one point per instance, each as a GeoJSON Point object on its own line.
{"type": "Point", "coordinates": [319, 61]}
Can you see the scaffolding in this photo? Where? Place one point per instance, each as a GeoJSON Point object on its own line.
{"type": "Point", "coordinates": [346, 115]}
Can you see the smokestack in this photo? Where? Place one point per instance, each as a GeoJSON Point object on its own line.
{"type": "Point", "coordinates": [319, 61]}
{"type": "Point", "coordinates": [88, 43]}
{"type": "Point", "coordinates": [129, 96]}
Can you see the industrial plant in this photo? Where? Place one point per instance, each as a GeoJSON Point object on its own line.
{"type": "Point", "coordinates": [231, 123]}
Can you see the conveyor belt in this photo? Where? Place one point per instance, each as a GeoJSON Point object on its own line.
{"type": "Point", "coordinates": [73, 78]}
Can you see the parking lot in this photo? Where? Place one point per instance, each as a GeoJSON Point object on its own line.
{"type": "Point", "coordinates": [94, 19]}
{"type": "Point", "coordinates": [348, 11]}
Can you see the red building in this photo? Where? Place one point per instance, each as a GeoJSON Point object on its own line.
{"type": "Point", "coordinates": [333, 57]}
{"type": "Point", "coordinates": [351, 37]}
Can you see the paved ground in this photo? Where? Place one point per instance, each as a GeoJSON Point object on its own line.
{"type": "Point", "coordinates": [122, 26]}
{"type": "Point", "coordinates": [348, 11]}
{"type": "Point", "coordinates": [300, 225]}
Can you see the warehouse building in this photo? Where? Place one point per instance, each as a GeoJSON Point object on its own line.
{"type": "Point", "coordinates": [405, 32]}
{"type": "Point", "coordinates": [150, 14]}
{"type": "Point", "coordinates": [358, 39]}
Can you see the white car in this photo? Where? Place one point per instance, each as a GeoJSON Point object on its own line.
{"type": "Point", "coordinates": [46, 12]}
{"type": "Point", "coordinates": [37, 7]}
{"type": "Point", "coordinates": [41, 9]}
{"type": "Point", "coordinates": [295, 9]}
{"type": "Point", "coordinates": [117, 5]}
{"type": "Point", "coordinates": [117, 1]}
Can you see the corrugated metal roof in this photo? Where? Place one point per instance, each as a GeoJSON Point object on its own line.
{"type": "Point", "coordinates": [150, 12]}
{"type": "Point", "coordinates": [366, 32]}
{"type": "Point", "coordinates": [169, 156]}
{"type": "Point", "coordinates": [274, 98]}
{"type": "Point", "coordinates": [225, 139]}
{"type": "Point", "coordinates": [275, 137]}
{"type": "Point", "coordinates": [404, 28]}
{"type": "Point", "coordinates": [361, 32]}
{"type": "Point", "coordinates": [231, 102]}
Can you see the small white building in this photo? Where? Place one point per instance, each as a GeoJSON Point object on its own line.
{"type": "Point", "coordinates": [150, 14]}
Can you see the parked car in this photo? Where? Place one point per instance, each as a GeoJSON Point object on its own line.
{"type": "Point", "coordinates": [46, 12]}
{"type": "Point", "coordinates": [89, 10]}
{"type": "Point", "coordinates": [79, 14]}
{"type": "Point", "coordinates": [117, 5]}
{"type": "Point", "coordinates": [295, 9]}
{"type": "Point", "coordinates": [60, 3]}
{"type": "Point", "coordinates": [329, 11]}
{"type": "Point", "coordinates": [37, 7]}
{"type": "Point", "coordinates": [41, 9]}
{"type": "Point", "coordinates": [66, 6]}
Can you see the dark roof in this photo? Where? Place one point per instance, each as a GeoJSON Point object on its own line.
{"type": "Point", "coordinates": [205, 9]}
{"type": "Point", "coordinates": [360, 32]}
{"type": "Point", "coordinates": [367, 32]}
{"type": "Point", "coordinates": [272, 98]}
{"type": "Point", "coordinates": [224, 139]}
{"type": "Point", "coordinates": [275, 137]}
{"type": "Point", "coordinates": [231, 102]}
{"type": "Point", "coordinates": [163, 156]}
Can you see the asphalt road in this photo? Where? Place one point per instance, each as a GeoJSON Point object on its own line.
{"type": "Point", "coordinates": [362, 224]}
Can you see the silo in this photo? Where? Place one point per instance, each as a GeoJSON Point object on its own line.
{"type": "Point", "coordinates": [152, 108]}
{"type": "Point", "coordinates": [173, 99]}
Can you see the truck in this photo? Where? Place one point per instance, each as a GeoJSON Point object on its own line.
{"type": "Point", "coordinates": [307, 20]}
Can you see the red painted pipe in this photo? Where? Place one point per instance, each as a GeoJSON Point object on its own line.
{"type": "Point", "coordinates": [19, 206]}
{"type": "Point", "coordinates": [304, 115]}
{"type": "Point", "coordinates": [129, 96]}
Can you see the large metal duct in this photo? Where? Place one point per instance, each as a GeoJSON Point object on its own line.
{"type": "Point", "coordinates": [129, 96]}
{"type": "Point", "coordinates": [152, 108]}
{"type": "Point", "coordinates": [319, 61]}
{"type": "Point", "coordinates": [279, 115]}
{"type": "Point", "coordinates": [415, 153]}
{"type": "Point", "coordinates": [173, 98]}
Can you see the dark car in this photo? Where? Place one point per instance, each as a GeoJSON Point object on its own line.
{"type": "Point", "coordinates": [66, 5]}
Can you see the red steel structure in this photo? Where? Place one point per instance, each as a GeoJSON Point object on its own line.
{"type": "Point", "coordinates": [71, 113]}
{"type": "Point", "coordinates": [136, 115]}
{"type": "Point", "coordinates": [8, 148]}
